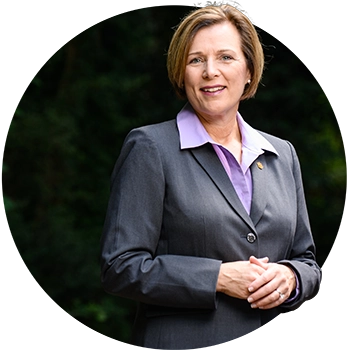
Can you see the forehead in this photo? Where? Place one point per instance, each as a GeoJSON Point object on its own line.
{"type": "Point", "coordinates": [220, 36]}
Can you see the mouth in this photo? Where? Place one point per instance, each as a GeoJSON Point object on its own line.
{"type": "Point", "coordinates": [212, 89]}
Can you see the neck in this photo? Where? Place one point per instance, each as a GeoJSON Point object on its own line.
{"type": "Point", "coordinates": [221, 130]}
{"type": "Point", "coordinates": [225, 132]}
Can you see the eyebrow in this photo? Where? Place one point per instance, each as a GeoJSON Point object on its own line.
{"type": "Point", "coordinates": [219, 51]}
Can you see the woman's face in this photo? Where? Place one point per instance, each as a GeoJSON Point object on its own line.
{"type": "Point", "coordinates": [216, 71]}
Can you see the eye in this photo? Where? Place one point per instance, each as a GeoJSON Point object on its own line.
{"type": "Point", "coordinates": [227, 58]}
{"type": "Point", "coordinates": [195, 60]}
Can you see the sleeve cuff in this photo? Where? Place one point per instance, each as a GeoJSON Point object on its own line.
{"type": "Point", "coordinates": [294, 295]}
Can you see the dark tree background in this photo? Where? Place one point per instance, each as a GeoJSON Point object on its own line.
{"type": "Point", "coordinates": [69, 126]}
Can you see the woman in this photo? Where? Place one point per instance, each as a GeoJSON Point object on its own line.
{"type": "Point", "coordinates": [207, 226]}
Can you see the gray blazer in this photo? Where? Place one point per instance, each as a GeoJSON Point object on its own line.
{"type": "Point", "coordinates": [173, 217]}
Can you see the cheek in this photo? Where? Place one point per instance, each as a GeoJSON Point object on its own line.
{"type": "Point", "coordinates": [187, 79]}
{"type": "Point", "coordinates": [246, 74]}
{"type": "Point", "coordinates": [239, 80]}
{"type": "Point", "coordinates": [192, 76]}
{"type": "Point", "coordinates": [189, 83]}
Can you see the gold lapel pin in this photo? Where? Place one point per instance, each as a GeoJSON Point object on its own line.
{"type": "Point", "coordinates": [260, 166]}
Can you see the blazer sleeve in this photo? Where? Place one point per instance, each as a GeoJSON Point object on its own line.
{"type": "Point", "coordinates": [302, 257]}
{"type": "Point", "coordinates": [130, 266]}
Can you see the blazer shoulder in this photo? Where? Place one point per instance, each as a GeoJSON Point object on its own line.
{"type": "Point", "coordinates": [150, 140]}
{"type": "Point", "coordinates": [159, 130]}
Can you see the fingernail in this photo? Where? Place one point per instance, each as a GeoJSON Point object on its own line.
{"type": "Point", "coordinates": [250, 289]}
{"type": "Point", "coordinates": [250, 300]}
{"type": "Point", "coordinates": [253, 306]}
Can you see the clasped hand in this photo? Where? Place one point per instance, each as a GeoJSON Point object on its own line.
{"type": "Point", "coordinates": [264, 285]}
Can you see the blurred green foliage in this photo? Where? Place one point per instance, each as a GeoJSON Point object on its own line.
{"type": "Point", "coordinates": [69, 126]}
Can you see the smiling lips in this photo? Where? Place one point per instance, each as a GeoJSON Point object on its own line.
{"type": "Point", "coordinates": [212, 89]}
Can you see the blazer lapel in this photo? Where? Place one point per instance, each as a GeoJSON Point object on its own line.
{"type": "Point", "coordinates": [207, 158]}
{"type": "Point", "coordinates": [259, 171]}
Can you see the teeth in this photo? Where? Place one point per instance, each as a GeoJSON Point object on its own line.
{"type": "Point", "coordinates": [214, 89]}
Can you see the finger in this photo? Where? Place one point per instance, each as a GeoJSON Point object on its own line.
{"type": "Point", "coordinates": [263, 262]}
{"type": "Point", "coordinates": [267, 290]}
{"type": "Point", "coordinates": [262, 280]}
{"type": "Point", "coordinates": [265, 305]}
{"type": "Point", "coordinates": [235, 277]}
{"type": "Point", "coordinates": [269, 294]}
{"type": "Point", "coordinates": [272, 300]}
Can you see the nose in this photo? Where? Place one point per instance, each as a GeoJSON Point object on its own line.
{"type": "Point", "coordinates": [210, 70]}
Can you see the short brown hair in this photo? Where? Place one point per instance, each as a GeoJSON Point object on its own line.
{"type": "Point", "coordinates": [208, 16]}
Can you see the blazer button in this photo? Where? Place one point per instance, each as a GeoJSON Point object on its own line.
{"type": "Point", "coordinates": [251, 237]}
